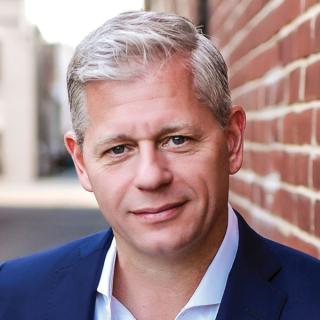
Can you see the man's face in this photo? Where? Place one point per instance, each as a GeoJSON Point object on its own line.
{"type": "Point", "coordinates": [158, 161]}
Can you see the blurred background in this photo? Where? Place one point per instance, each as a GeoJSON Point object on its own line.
{"type": "Point", "coordinates": [272, 48]}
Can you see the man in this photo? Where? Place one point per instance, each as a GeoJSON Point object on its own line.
{"type": "Point", "coordinates": [155, 139]}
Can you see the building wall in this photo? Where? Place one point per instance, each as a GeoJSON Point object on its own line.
{"type": "Point", "coordinates": [33, 99]}
{"type": "Point", "coordinates": [18, 132]}
{"type": "Point", "coordinates": [273, 52]}
{"type": "Point", "coordinates": [53, 110]}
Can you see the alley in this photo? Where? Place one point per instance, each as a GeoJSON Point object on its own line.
{"type": "Point", "coordinates": [27, 230]}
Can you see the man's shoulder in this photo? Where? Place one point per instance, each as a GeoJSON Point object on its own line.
{"type": "Point", "coordinates": [39, 265]}
{"type": "Point", "coordinates": [299, 278]}
{"type": "Point", "coordinates": [287, 257]}
{"type": "Point", "coordinates": [29, 284]}
{"type": "Point", "coordinates": [297, 265]}
{"type": "Point", "coordinates": [285, 267]}
{"type": "Point", "coordinates": [271, 278]}
{"type": "Point", "coordinates": [291, 255]}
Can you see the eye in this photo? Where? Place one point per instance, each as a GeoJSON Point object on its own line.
{"type": "Point", "coordinates": [177, 140]}
{"type": "Point", "coordinates": [117, 149]}
{"type": "Point", "coordinates": [117, 154]}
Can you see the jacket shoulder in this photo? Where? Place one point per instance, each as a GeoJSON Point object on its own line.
{"type": "Point", "coordinates": [300, 279]}
{"type": "Point", "coordinates": [40, 265]}
{"type": "Point", "coordinates": [284, 252]}
{"type": "Point", "coordinates": [28, 284]}
{"type": "Point", "coordinates": [296, 265]}
{"type": "Point", "coordinates": [286, 273]}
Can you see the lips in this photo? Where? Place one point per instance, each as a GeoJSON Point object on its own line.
{"type": "Point", "coordinates": [159, 213]}
{"type": "Point", "coordinates": [156, 210]}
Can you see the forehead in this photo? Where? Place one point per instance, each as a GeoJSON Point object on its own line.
{"type": "Point", "coordinates": [165, 96]}
{"type": "Point", "coordinates": [164, 79]}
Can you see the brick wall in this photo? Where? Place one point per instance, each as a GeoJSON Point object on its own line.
{"type": "Point", "coordinates": [272, 48]}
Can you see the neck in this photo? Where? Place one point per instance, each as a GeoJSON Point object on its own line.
{"type": "Point", "coordinates": [167, 282]}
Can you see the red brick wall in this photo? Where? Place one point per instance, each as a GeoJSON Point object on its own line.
{"type": "Point", "coordinates": [272, 48]}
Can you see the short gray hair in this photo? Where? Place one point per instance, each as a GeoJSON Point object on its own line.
{"type": "Point", "coordinates": [123, 47]}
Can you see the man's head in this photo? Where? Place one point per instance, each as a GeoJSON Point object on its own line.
{"type": "Point", "coordinates": [123, 49]}
{"type": "Point", "coordinates": [156, 137]}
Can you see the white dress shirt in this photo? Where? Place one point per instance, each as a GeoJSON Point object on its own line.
{"type": "Point", "coordinates": [205, 301]}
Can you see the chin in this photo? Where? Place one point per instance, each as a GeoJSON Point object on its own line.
{"type": "Point", "coordinates": [164, 245]}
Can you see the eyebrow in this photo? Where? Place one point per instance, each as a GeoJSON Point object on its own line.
{"type": "Point", "coordinates": [110, 140]}
{"type": "Point", "coordinates": [183, 126]}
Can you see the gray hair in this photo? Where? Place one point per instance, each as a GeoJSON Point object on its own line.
{"type": "Point", "coordinates": [123, 47]}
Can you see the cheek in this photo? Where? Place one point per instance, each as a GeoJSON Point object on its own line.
{"type": "Point", "coordinates": [208, 174]}
{"type": "Point", "coordinates": [110, 186]}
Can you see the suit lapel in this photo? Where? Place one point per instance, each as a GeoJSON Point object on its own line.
{"type": "Point", "coordinates": [249, 293]}
{"type": "Point", "coordinates": [74, 285]}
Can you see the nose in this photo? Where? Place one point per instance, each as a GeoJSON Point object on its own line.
{"type": "Point", "coordinates": [152, 170]}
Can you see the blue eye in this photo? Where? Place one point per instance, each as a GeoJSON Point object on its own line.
{"type": "Point", "coordinates": [178, 140]}
{"type": "Point", "coordinates": [118, 149]}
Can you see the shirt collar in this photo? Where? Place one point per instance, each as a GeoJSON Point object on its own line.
{"type": "Point", "coordinates": [106, 280]}
{"type": "Point", "coordinates": [212, 285]}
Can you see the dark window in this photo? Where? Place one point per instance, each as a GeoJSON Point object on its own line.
{"type": "Point", "coordinates": [203, 16]}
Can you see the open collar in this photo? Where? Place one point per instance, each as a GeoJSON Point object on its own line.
{"type": "Point", "coordinates": [212, 286]}
{"type": "Point", "coordinates": [250, 293]}
{"type": "Point", "coordinates": [213, 283]}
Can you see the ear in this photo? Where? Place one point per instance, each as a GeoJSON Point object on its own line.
{"type": "Point", "coordinates": [77, 156]}
{"type": "Point", "coordinates": [235, 137]}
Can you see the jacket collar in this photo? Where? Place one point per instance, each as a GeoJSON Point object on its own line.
{"type": "Point", "coordinates": [249, 292]}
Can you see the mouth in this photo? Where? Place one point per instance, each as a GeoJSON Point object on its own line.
{"type": "Point", "coordinates": [159, 214]}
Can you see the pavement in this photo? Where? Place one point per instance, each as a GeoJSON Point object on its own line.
{"type": "Point", "coordinates": [45, 213]}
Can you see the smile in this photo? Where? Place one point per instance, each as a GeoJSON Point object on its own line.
{"type": "Point", "coordinates": [159, 214]}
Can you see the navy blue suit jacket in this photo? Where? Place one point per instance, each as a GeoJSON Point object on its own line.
{"type": "Point", "coordinates": [268, 281]}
